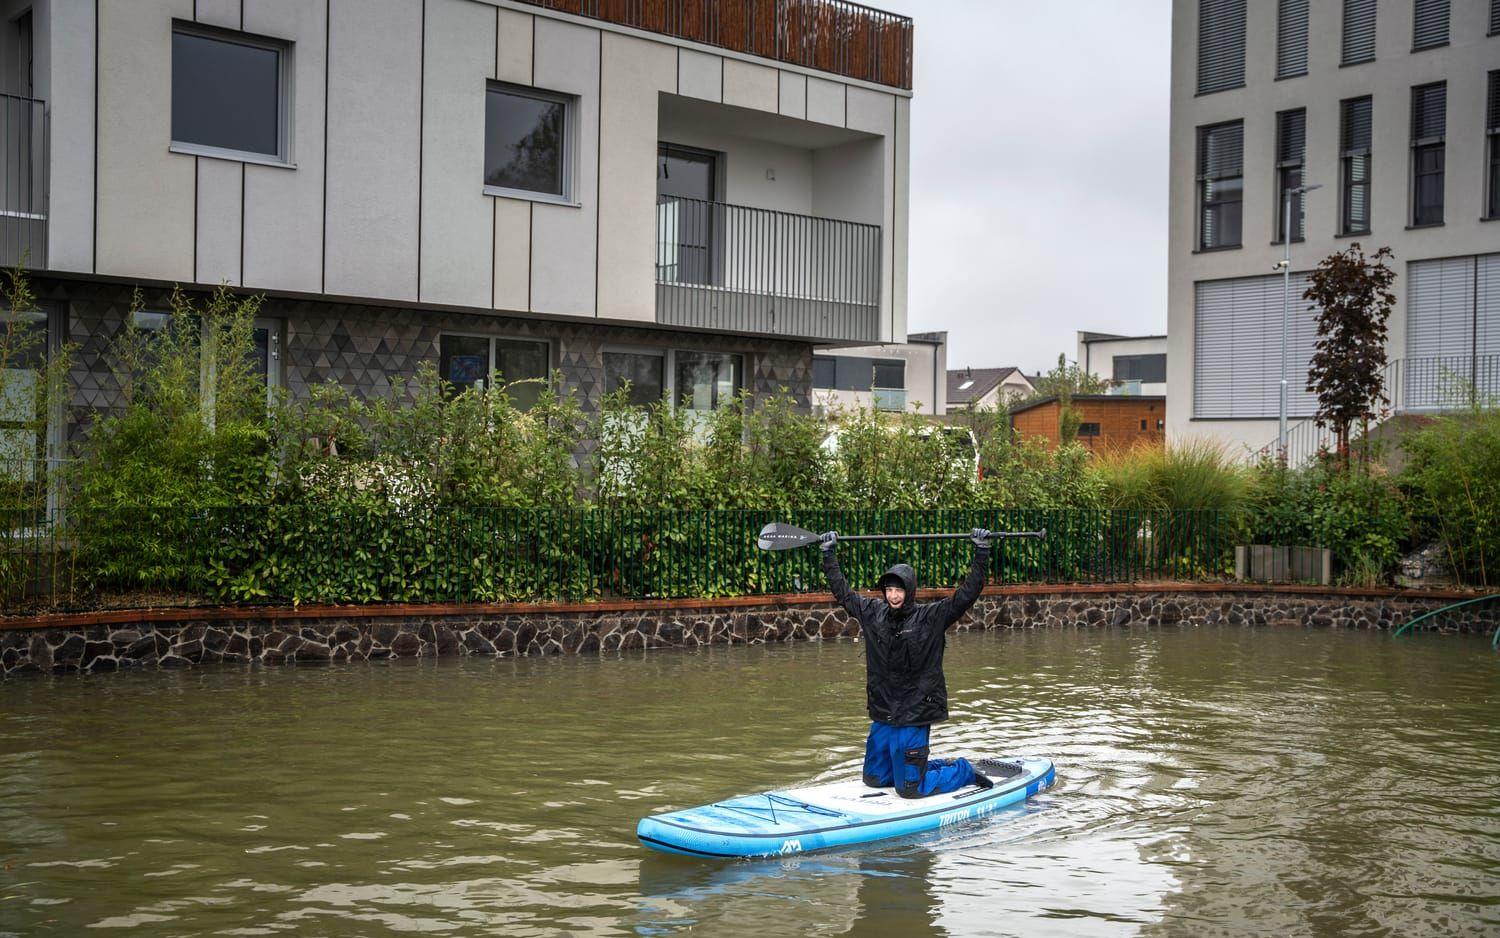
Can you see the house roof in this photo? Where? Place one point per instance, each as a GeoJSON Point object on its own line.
{"type": "Point", "coordinates": [929, 338]}
{"type": "Point", "coordinates": [1117, 398]}
{"type": "Point", "coordinates": [1087, 337]}
{"type": "Point", "coordinates": [967, 385]}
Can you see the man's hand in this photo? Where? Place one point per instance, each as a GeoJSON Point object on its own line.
{"type": "Point", "coordinates": [828, 540]}
{"type": "Point", "coordinates": [980, 537]}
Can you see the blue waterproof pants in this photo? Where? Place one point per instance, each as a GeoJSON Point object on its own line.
{"type": "Point", "coordinates": [897, 755]}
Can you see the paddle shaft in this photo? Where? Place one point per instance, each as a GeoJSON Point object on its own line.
{"type": "Point", "coordinates": [995, 535]}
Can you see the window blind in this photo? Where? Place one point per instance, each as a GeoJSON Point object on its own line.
{"type": "Point", "coordinates": [1355, 131]}
{"type": "Point", "coordinates": [1237, 348]}
{"type": "Point", "coordinates": [1359, 31]}
{"type": "Point", "coordinates": [1291, 38]}
{"type": "Point", "coordinates": [1429, 111]}
{"type": "Point", "coordinates": [1429, 24]}
{"type": "Point", "coordinates": [1221, 45]}
{"type": "Point", "coordinates": [1221, 150]}
{"type": "Point", "coordinates": [1291, 136]}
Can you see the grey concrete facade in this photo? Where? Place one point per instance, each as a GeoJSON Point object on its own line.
{"type": "Point", "coordinates": [1464, 63]}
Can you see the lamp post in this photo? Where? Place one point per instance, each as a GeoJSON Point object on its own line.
{"type": "Point", "coordinates": [1286, 297]}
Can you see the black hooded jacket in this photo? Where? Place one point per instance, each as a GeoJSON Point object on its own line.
{"type": "Point", "coordinates": [904, 683]}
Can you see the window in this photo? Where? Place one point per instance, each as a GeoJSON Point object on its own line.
{"type": "Point", "coordinates": [1143, 425]}
{"type": "Point", "coordinates": [1452, 331]}
{"type": "Point", "coordinates": [889, 375]}
{"type": "Point", "coordinates": [1221, 45]}
{"type": "Point", "coordinates": [1494, 17]}
{"type": "Point", "coordinates": [686, 184]}
{"type": "Point", "coordinates": [230, 94]}
{"type": "Point", "coordinates": [528, 142]}
{"type": "Point", "coordinates": [22, 440]}
{"type": "Point", "coordinates": [854, 374]}
{"type": "Point", "coordinates": [1429, 24]}
{"type": "Point", "coordinates": [469, 360]}
{"type": "Point", "coordinates": [1291, 146]}
{"type": "Point", "coordinates": [1291, 39]}
{"type": "Point", "coordinates": [1237, 348]}
{"type": "Point", "coordinates": [1088, 429]}
{"type": "Point", "coordinates": [1220, 185]}
{"type": "Point", "coordinates": [1359, 31]}
{"type": "Point", "coordinates": [646, 373]}
{"type": "Point", "coordinates": [823, 371]}
{"type": "Point", "coordinates": [1354, 168]}
{"type": "Point", "coordinates": [1492, 124]}
{"type": "Point", "coordinates": [705, 381]}
{"type": "Point", "coordinates": [1429, 108]}
{"type": "Point", "coordinates": [265, 356]}
{"type": "Point", "coordinates": [1148, 369]}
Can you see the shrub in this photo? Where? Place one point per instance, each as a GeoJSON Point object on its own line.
{"type": "Point", "coordinates": [1452, 477]}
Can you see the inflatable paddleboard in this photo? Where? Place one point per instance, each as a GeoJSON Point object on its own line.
{"type": "Point", "coordinates": [837, 814]}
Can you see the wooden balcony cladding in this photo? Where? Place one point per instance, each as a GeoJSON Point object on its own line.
{"type": "Point", "coordinates": [829, 35]}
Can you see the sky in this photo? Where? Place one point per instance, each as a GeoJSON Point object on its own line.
{"type": "Point", "coordinates": [1038, 174]}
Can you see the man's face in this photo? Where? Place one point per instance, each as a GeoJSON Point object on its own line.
{"type": "Point", "coordinates": [895, 596]}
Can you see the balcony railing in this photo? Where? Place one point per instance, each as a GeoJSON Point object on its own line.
{"type": "Point", "coordinates": [23, 181]}
{"type": "Point", "coordinates": [1428, 385]}
{"type": "Point", "coordinates": [829, 35]}
{"type": "Point", "coordinates": [753, 270]}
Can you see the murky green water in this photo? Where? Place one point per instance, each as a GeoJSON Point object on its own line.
{"type": "Point", "coordinates": [1209, 782]}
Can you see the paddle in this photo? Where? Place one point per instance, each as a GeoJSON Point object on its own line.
{"type": "Point", "coordinates": [778, 536]}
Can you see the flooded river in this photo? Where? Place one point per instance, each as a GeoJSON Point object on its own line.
{"type": "Point", "coordinates": [1210, 781]}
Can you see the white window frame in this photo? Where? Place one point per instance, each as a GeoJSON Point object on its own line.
{"type": "Point", "coordinates": [569, 139]}
{"type": "Point", "coordinates": [283, 48]}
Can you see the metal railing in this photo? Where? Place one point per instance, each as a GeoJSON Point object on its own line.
{"type": "Point", "coordinates": [24, 142]}
{"type": "Point", "coordinates": [1426, 385]}
{"type": "Point", "coordinates": [761, 271]}
{"type": "Point", "coordinates": [888, 398]}
{"type": "Point", "coordinates": [360, 553]}
{"type": "Point", "coordinates": [835, 36]}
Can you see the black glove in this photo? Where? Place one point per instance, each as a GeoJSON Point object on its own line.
{"type": "Point", "coordinates": [828, 540]}
{"type": "Point", "coordinates": [980, 537]}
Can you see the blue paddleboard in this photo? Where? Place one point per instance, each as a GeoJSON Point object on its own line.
{"type": "Point", "coordinates": [837, 814]}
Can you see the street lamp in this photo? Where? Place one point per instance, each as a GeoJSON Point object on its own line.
{"type": "Point", "coordinates": [1286, 294]}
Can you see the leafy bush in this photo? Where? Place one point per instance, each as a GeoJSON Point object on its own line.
{"type": "Point", "coordinates": [1452, 477]}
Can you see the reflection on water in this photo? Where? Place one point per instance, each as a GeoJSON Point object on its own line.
{"type": "Point", "coordinates": [1210, 781]}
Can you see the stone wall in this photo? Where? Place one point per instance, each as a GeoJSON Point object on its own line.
{"type": "Point", "coordinates": [180, 638]}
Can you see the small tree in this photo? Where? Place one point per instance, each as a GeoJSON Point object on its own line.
{"type": "Point", "coordinates": [1063, 382]}
{"type": "Point", "coordinates": [1352, 294]}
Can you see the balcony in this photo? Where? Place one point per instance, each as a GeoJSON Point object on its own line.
{"type": "Point", "coordinates": [730, 268]}
{"type": "Point", "coordinates": [23, 176]}
{"type": "Point", "coordinates": [829, 35]}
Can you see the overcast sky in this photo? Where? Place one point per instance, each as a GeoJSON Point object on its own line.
{"type": "Point", "coordinates": [1038, 174]}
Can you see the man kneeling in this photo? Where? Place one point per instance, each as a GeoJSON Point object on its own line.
{"type": "Point", "coordinates": [904, 686]}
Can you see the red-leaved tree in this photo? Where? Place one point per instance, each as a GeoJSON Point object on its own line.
{"type": "Point", "coordinates": [1352, 294]}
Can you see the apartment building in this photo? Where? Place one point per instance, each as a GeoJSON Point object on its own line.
{"type": "Point", "coordinates": [689, 196]}
{"type": "Point", "coordinates": [907, 376]}
{"type": "Point", "coordinates": [1129, 364]}
{"type": "Point", "coordinates": [1392, 108]}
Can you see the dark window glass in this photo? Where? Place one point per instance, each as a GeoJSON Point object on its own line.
{"type": "Point", "coordinates": [1492, 125]}
{"type": "Point", "coordinates": [1291, 38]}
{"type": "Point", "coordinates": [1221, 45]}
{"type": "Point", "coordinates": [521, 361]}
{"type": "Point", "coordinates": [706, 380]}
{"type": "Point", "coordinates": [889, 375]}
{"type": "Point", "coordinates": [1220, 184]}
{"type": "Point", "coordinates": [1149, 369]}
{"type": "Point", "coordinates": [1429, 115]}
{"type": "Point", "coordinates": [685, 188]}
{"type": "Point", "coordinates": [1429, 24]}
{"type": "Point", "coordinates": [646, 373]}
{"type": "Point", "coordinates": [1354, 153]}
{"type": "Point", "coordinates": [1359, 31]}
{"type": "Point", "coordinates": [524, 140]}
{"type": "Point", "coordinates": [1291, 138]}
{"type": "Point", "coordinates": [463, 360]}
{"type": "Point", "coordinates": [1143, 424]}
{"type": "Point", "coordinates": [1088, 429]}
{"type": "Point", "coordinates": [854, 374]}
{"type": "Point", "coordinates": [226, 94]}
{"type": "Point", "coordinates": [823, 370]}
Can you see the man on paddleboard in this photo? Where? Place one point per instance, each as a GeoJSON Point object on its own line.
{"type": "Point", "coordinates": [905, 690]}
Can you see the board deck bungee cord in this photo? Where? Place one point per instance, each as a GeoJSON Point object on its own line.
{"type": "Point", "coordinates": [835, 814]}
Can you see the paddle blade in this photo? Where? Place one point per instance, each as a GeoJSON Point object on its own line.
{"type": "Point", "coordinates": [778, 536]}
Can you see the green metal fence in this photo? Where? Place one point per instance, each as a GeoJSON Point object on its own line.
{"type": "Point", "coordinates": [340, 553]}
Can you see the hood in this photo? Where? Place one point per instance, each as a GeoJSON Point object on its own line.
{"type": "Point", "coordinates": [904, 576]}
